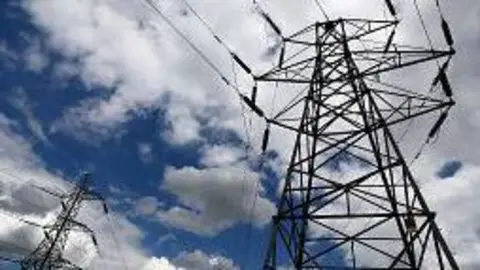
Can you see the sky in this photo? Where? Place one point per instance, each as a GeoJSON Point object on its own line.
{"type": "Point", "coordinates": [106, 86]}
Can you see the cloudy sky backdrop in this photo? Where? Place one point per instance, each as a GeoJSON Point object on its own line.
{"type": "Point", "coordinates": [107, 86]}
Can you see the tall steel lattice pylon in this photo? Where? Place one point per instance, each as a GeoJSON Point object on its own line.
{"type": "Point", "coordinates": [375, 217]}
{"type": "Point", "coordinates": [49, 253]}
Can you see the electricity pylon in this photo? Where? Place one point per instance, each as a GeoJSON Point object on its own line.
{"type": "Point", "coordinates": [49, 253]}
{"type": "Point", "coordinates": [375, 217]}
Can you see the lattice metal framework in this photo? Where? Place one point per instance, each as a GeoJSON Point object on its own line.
{"type": "Point", "coordinates": [49, 253]}
{"type": "Point", "coordinates": [374, 217]}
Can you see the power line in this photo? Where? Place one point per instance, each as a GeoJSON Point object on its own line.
{"type": "Point", "coordinates": [241, 63]}
{"type": "Point", "coordinates": [322, 9]}
{"type": "Point", "coordinates": [251, 213]}
{"type": "Point", "coordinates": [217, 70]}
{"type": "Point", "coordinates": [206, 25]}
{"type": "Point", "coordinates": [422, 22]}
{"type": "Point", "coordinates": [190, 43]}
{"type": "Point", "coordinates": [117, 243]}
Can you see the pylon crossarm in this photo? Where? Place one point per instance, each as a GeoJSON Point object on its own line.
{"type": "Point", "coordinates": [398, 60]}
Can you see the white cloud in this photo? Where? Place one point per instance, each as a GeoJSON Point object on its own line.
{"type": "Point", "coordinates": [100, 36]}
{"type": "Point", "coordinates": [120, 241]}
{"type": "Point", "coordinates": [20, 169]}
{"type": "Point", "coordinates": [159, 264]}
{"type": "Point", "coordinates": [146, 206]}
{"type": "Point", "coordinates": [165, 238]}
{"type": "Point", "coordinates": [220, 155]}
{"type": "Point", "coordinates": [21, 102]}
{"type": "Point", "coordinates": [182, 125]}
{"type": "Point", "coordinates": [160, 64]}
{"type": "Point", "coordinates": [14, 149]}
{"type": "Point", "coordinates": [214, 199]}
{"type": "Point", "coordinates": [36, 60]}
{"type": "Point", "coordinates": [145, 152]}
{"type": "Point", "coordinates": [196, 260]}
{"type": "Point", "coordinates": [454, 200]}
{"type": "Point", "coordinates": [199, 260]}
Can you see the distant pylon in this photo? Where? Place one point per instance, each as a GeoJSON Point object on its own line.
{"type": "Point", "coordinates": [377, 218]}
{"type": "Point", "coordinates": [49, 253]}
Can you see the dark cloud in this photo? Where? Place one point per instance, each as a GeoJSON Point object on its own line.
{"type": "Point", "coordinates": [449, 169]}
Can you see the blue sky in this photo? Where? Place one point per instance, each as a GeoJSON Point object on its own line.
{"type": "Point", "coordinates": [121, 171]}
{"type": "Point", "coordinates": [86, 86]}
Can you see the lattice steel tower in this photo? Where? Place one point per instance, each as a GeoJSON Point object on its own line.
{"type": "Point", "coordinates": [375, 217]}
{"type": "Point", "coordinates": [49, 253]}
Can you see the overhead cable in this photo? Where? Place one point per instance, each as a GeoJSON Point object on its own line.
{"type": "Point", "coordinates": [322, 9]}
{"type": "Point", "coordinates": [217, 70]}
{"type": "Point", "coordinates": [235, 57]}
{"type": "Point", "coordinates": [422, 22]}
{"type": "Point", "coordinates": [117, 243]}
{"type": "Point", "coordinates": [437, 125]}
{"type": "Point", "coordinates": [190, 43]}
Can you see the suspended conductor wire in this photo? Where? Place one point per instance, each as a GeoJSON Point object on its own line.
{"type": "Point", "coordinates": [195, 48]}
{"type": "Point", "coordinates": [13, 216]}
{"type": "Point", "coordinates": [322, 9]}
{"type": "Point", "coordinates": [422, 22]}
{"type": "Point", "coordinates": [439, 7]}
{"type": "Point", "coordinates": [190, 43]}
{"type": "Point", "coordinates": [209, 28]}
{"type": "Point", "coordinates": [425, 29]}
{"type": "Point", "coordinates": [252, 209]}
{"type": "Point", "coordinates": [248, 144]}
{"type": "Point", "coordinates": [222, 43]}
{"type": "Point", "coordinates": [250, 217]}
{"type": "Point", "coordinates": [117, 243]}
{"type": "Point", "coordinates": [232, 54]}
{"type": "Point", "coordinates": [235, 86]}
{"type": "Point", "coordinates": [247, 153]}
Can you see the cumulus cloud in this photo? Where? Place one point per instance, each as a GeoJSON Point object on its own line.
{"type": "Point", "coordinates": [119, 240]}
{"type": "Point", "coordinates": [159, 263]}
{"type": "Point", "coordinates": [214, 199]}
{"type": "Point", "coordinates": [454, 201]}
{"type": "Point", "coordinates": [195, 260]}
{"type": "Point", "coordinates": [199, 260]}
{"type": "Point", "coordinates": [182, 125]}
{"type": "Point", "coordinates": [21, 169]}
{"type": "Point", "coordinates": [220, 155]}
{"type": "Point", "coordinates": [142, 77]}
{"type": "Point", "coordinates": [146, 206]}
{"type": "Point", "coordinates": [100, 36]}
